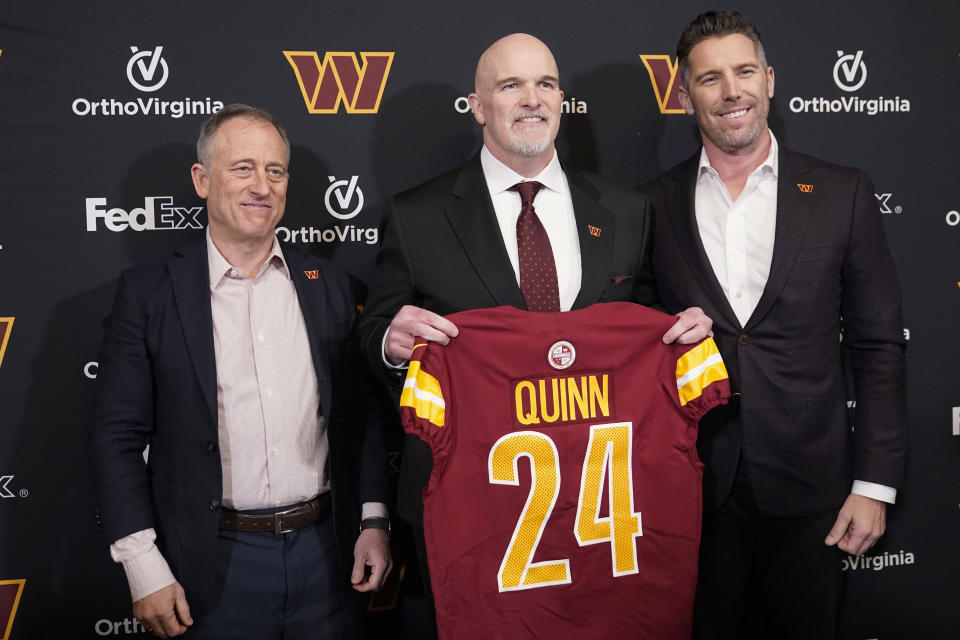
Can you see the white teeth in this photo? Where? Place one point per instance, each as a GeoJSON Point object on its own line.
{"type": "Point", "coordinates": [735, 114]}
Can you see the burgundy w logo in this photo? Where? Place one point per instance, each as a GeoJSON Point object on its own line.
{"type": "Point", "coordinates": [340, 79]}
{"type": "Point", "coordinates": [663, 76]}
{"type": "Point", "coordinates": [10, 591]}
{"type": "Point", "coordinates": [6, 326]}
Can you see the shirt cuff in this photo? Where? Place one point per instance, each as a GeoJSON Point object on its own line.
{"type": "Point", "coordinates": [374, 510]}
{"type": "Point", "coordinates": [880, 492]}
{"type": "Point", "coordinates": [383, 354]}
{"type": "Point", "coordinates": [146, 569]}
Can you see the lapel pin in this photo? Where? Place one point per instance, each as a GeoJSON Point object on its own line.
{"type": "Point", "coordinates": [594, 231]}
{"type": "Point", "coordinates": [313, 274]}
{"type": "Point", "coordinates": [805, 188]}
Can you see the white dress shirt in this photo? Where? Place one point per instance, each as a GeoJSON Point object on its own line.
{"type": "Point", "coordinates": [738, 238]}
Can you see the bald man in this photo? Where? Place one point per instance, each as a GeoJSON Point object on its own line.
{"type": "Point", "coordinates": [451, 243]}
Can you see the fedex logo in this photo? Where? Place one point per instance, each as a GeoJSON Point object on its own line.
{"type": "Point", "coordinates": [340, 79]}
{"type": "Point", "coordinates": [156, 214]}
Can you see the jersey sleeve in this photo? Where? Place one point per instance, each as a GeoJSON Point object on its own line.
{"type": "Point", "coordinates": [422, 401]}
{"type": "Point", "coordinates": [701, 378]}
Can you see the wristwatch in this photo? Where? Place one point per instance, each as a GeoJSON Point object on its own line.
{"type": "Point", "coordinates": [376, 523]}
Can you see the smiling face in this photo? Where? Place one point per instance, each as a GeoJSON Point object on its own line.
{"type": "Point", "coordinates": [517, 102]}
{"type": "Point", "coordinates": [244, 182]}
{"type": "Point", "coordinates": [729, 92]}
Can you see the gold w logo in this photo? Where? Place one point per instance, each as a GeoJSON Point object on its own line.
{"type": "Point", "coordinates": [10, 591]}
{"type": "Point", "coordinates": [805, 188]}
{"type": "Point", "coordinates": [663, 76]}
{"type": "Point", "coordinates": [340, 79]}
{"type": "Point", "coordinates": [6, 326]}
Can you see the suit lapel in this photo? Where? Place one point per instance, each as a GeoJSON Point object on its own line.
{"type": "Point", "coordinates": [470, 213]}
{"type": "Point", "coordinates": [596, 245]}
{"type": "Point", "coordinates": [313, 305]}
{"type": "Point", "coordinates": [681, 205]}
{"type": "Point", "coordinates": [793, 214]}
{"type": "Point", "coordinates": [190, 278]}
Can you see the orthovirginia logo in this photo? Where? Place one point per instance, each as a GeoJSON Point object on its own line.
{"type": "Point", "coordinates": [663, 77]}
{"type": "Point", "coordinates": [6, 326]}
{"type": "Point", "coordinates": [10, 592]}
{"type": "Point", "coordinates": [340, 79]}
{"type": "Point", "coordinates": [570, 105]}
{"type": "Point", "coordinates": [849, 75]}
{"type": "Point", "coordinates": [877, 562]}
{"type": "Point", "coordinates": [343, 200]}
{"type": "Point", "coordinates": [147, 71]}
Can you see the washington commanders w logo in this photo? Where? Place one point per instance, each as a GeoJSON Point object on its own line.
{"type": "Point", "coordinates": [10, 591]}
{"type": "Point", "coordinates": [6, 325]}
{"type": "Point", "coordinates": [663, 76]}
{"type": "Point", "coordinates": [340, 79]}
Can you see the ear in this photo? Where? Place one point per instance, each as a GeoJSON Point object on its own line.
{"type": "Point", "coordinates": [477, 107]}
{"type": "Point", "coordinates": [201, 179]}
{"type": "Point", "coordinates": [685, 100]}
{"type": "Point", "coordinates": [770, 82]}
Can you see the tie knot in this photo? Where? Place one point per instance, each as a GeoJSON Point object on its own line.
{"type": "Point", "coordinates": [527, 190]}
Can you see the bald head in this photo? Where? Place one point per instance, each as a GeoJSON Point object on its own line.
{"type": "Point", "coordinates": [516, 100]}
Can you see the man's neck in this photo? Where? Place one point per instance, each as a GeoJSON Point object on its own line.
{"type": "Point", "coordinates": [526, 167]}
{"type": "Point", "coordinates": [734, 167]}
{"type": "Point", "coordinates": [246, 256]}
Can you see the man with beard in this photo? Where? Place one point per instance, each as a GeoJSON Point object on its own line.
{"type": "Point", "coordinates": [451, 244]}
{"type": "Point", "coordinates": [784, 252]}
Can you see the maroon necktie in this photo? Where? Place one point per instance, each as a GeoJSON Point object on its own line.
{"type": "Point", "coordinates": [538, 271]}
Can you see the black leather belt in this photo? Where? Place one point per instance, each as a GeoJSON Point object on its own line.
{"type": "Point", "coordinates": [283, 521]}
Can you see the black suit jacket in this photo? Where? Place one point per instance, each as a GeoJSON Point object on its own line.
{"type": "Point", "coordinates": [831, 270]}
{"type": "Point", "coordinates": [157, 385]}
{"type": "Point", "coordinates": [442, 250]}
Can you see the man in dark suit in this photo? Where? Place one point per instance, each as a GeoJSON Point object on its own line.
{"type": "Point", "coordinates": [451, 244]}
{"type": "Point", "coordinates": [234, 362]}
{"type": "Point", "coordinates": [784, 252]}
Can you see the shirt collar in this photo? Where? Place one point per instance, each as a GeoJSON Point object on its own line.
{"type": "Point", "coordinates": [220, 268]}
{"type": "Point", "coordinates": [500, 177]}
{"type": "Point", "coordinates": [770, 166]}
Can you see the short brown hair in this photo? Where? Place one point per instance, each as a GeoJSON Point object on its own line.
{"type": "Point", "coordinates": [714, 24]}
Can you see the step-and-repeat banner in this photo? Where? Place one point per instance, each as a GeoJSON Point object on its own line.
{"type": "Point", "coordinates": [100, 105]}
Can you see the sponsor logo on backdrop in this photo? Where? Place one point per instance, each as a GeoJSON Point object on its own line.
{"type": "Point", "coordinates": [125, 627]}
{"type": "Point", "coordinates": [340, 80]}
{"type": "Point", "coordinates": [953, 218]}
{"type": "Point", "coordinates": [956, 421]}
{"type": "Point", "coordinates": [147, 71]}
{"type": "Point", "coordinates": [158, 213]}
{"type": "Point", "coordinates": [10, 592]}
{"type": "Point", "coordinates": [569, 105]}
{"type": "Point", "coordinates": [6, 328]}
{"type": "Point", "coordinates": [877, 562]}
{"type": "Point", "coordinates": [91, 369]}
{"type": "Point", "coordinates": [8, 492]}
{"type": "Point", "coordinates": [665, 80]}
{"type": "Point", "coordinates": [850, 75]}
{"type": "Point", "coordinates": [886, 206]}
{"type": "Point", "coordinates": [343, 200]}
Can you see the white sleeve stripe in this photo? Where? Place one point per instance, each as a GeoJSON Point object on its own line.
{"type": "Point", "coordinates": [420, 394]}
{"type": "Point", "coordinates": [697, 371]}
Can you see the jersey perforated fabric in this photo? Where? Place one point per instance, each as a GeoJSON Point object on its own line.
{"type": "Point", "coordinates": [565, 495]}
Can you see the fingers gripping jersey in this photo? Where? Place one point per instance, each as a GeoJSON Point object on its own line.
{"type": "Point", "coordinates": [565, 494]}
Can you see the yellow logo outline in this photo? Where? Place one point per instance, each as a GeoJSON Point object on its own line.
{"type": "Point", "coordinates": [329, 65]}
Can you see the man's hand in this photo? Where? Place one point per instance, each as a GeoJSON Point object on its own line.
{"type": "Point", "coordinates": [372, 550]}
{"type": "Point", "coordinates": [861, 522]}
{"type": "Point", "coordinates": [691, 327]}
{"type": "Point", "coordinates": [165, 612]}
{"type": "Point", "coordinates": [411, 322]}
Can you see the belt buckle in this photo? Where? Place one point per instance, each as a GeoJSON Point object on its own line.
{"type": "Point", "coordinates": [278, 527]}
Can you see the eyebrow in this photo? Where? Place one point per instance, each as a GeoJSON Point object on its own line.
{"type": "Point", "coordinates": [742, 65]}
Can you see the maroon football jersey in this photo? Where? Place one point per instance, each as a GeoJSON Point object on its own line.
{"type": "Point", "coordinates": [565, 494]}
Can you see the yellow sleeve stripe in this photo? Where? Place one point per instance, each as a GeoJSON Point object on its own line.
{"type": "Point", "coordinates": [697, 368]}
{"type": "Point", "coordinates": [422, 393]}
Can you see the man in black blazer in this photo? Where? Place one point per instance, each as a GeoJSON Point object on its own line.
{"type": "Point", "coordinates": [450, 244]}
{"type": "Point", "coordinates": [784, 252]}
{"type": "Point", "coordinates": [234, 362]}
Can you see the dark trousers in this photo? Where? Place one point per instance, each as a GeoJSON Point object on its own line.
{"type": "Point", "coordinates": [285, 586]}
{"type": "Point", "coordinates": [765, 577]}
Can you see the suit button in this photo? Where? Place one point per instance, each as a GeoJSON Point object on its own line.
{"type": "Point", "coordinates": [743, 339]}
{"type": "Point", "coordinates": [214, 505]}
{"type": "Point", "coordinates": [735, 396]}
{"type": "Point", "coordinates": [211, 445]}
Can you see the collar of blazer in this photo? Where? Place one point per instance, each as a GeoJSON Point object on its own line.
{"type": "Point", "coordinates": [470, 213]}
{"type": "Point", "coordinates": [793, 215]}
